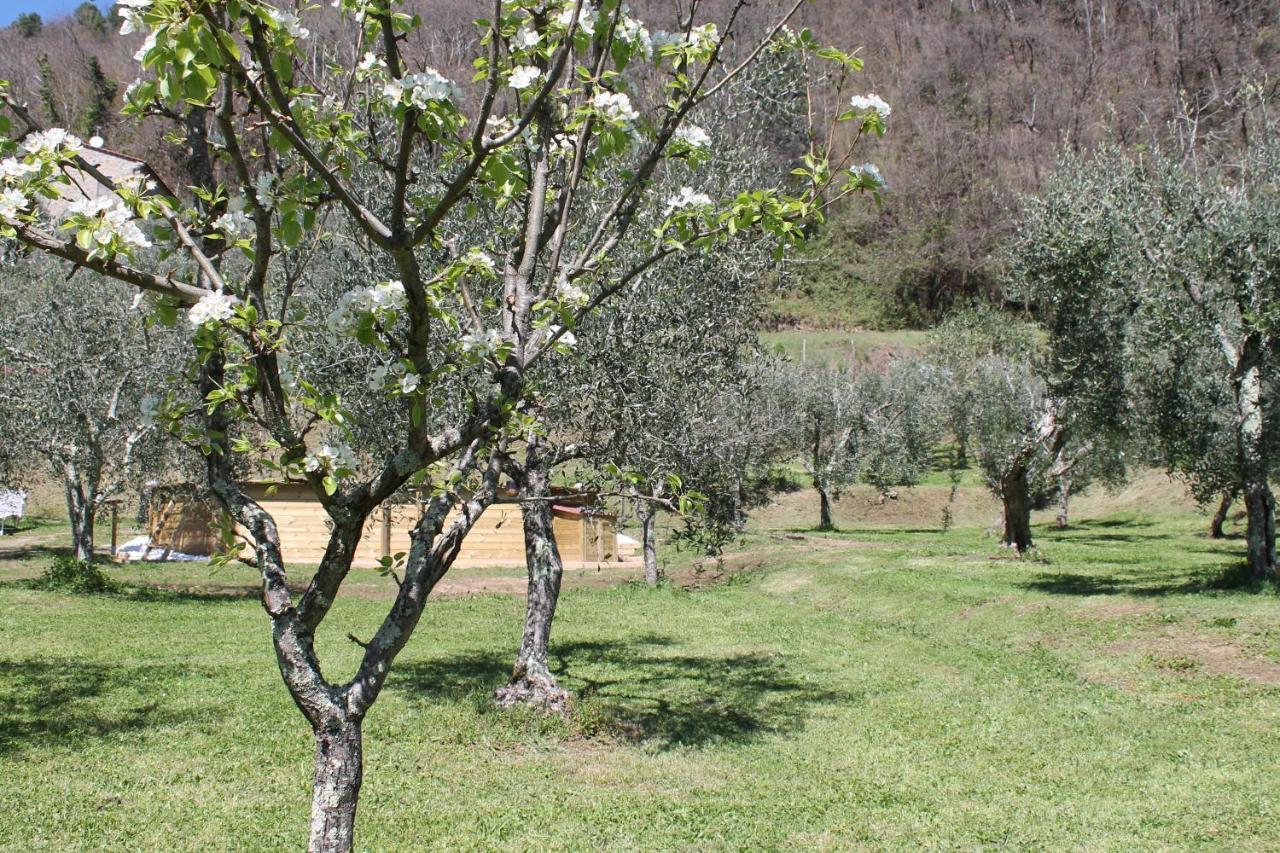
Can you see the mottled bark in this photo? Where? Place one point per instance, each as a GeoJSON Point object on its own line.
{"type": "Point", "coordinates": [825, 521]}
{"type": "Point", "coordinates": [1220, 514]}
{"type": "Point", "coordinates": [649, 539]}
{"type": "Point", "coordinates": [82, 512]}
{"type": "Point", "coordinates": [1015, 493]}
{"type": "Point", "coordinates": [1064, 502]}
{"type": "Point", "coordinates": [531, 680]}
{"type": "Point", "coordinates": [1259, 502]}
{"type": "Point", "coordinates": [335, 791]}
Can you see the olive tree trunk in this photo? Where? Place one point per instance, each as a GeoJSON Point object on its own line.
{"type": "Point", "coordinates": [1259, 502]}
{"type": "Point", "coordinates": [649, 537]}
{"type": "Point", "coordinates": [1064, 503]}
{"type": "Point", "coordinates": [1220, 514]}
{"type": "Point", "coordinates": [825, 521]}
{"type": "Point", "coordinates": [531, 680]}
{"type": "Point", "coordinates": [81, 511]}
{"type": "Point", "coordinates": [1015, 493]}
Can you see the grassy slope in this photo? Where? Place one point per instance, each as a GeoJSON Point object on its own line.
{"type": "Point", "coordinates": [883, 688]}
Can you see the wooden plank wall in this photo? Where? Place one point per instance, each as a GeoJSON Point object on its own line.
{"type": "Point", "coordinates": [497, 536]}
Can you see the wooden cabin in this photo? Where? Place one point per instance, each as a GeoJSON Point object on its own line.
{"type": "Point", "coordinates": [180, 521]}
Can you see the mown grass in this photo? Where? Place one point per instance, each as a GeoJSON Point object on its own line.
{"type": "Point", "coordinates": [874, 688]}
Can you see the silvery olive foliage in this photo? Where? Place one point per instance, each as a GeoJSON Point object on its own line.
{"type": "Point", "coordinates": [81, 380]}
{"type": "Point", "coordinates": [862, 425]}
{"type": "Point", "coordinates": [509, 209]}
{"type": "Point", "coordinates": [1022, 436]}
{"type": "Point", "coordinates": [1160, 296]}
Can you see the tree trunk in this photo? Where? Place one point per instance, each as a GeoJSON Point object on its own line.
{"type": "Point", "coordinates": [1259, 503]}
{"type": "Point", "coordinates": [649, 535]}
{"type": "Point", "coordinates": [336, 789]}
{"type": "Point", "coordinates": [81, 512]}
{"type": "Point", "coordinates": [1064, 502]}
{"type": "Point", "coordinates": [1220, 515]}
{"type": "Point", "coordinates": [531, 680]}
{"type": "Point", "coordinates": [1016, 495]}
{"type": "Point", "coordinates": [825, 521]}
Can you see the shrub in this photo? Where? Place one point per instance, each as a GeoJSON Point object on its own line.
{"type": "Point", "coordinates": [79, 576]}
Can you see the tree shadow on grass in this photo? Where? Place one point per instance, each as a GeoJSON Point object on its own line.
{"type": "Point", "coordinates": [1229, 578]}
{"type": "Point", "coordinates": [58, 702]}
{"type": "Point", "coordinates": [637, 690]}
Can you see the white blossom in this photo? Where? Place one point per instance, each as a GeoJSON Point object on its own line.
{"type": "Point", "coordinates": [233, 223]}
{"type": "Point", "coordinates": [409, 383]}
{"type": "Point", "coordinates": [693, 136]}
{"type": "Point", "coordinates": [54, 141]}
{"type": "Point", "coordinates": [634, 33]}
{"type": "Point", "coordinates": [481, 344]}
{"type": "Point", "coordinates": [868, 170]}
{"type": "Point", "coordinates": [288, 22]}
{"type": "Point", "coordinates": [524, 76]}
{"type": "Point", "coordinates": [567, 339]}
{"type": "Point", "coordinates": [479, 261]}
{"type": "Point", "coordinates": [130, 12]}
{"type": "Point", "coordinates": [327, 459]}
{"type": "Point", "coordinates": [146, 48]}
{"type": "Point", "coordinates": [12, 202]}
{"type": "Point", "coordinates": [424, 88]}
{"type": "Point", "coordinates": [12, 169]}
{"type": "Point", "coordinates": [704, 37]}
{"type": "Point", "coordinates": [525, 38]}
{"type": "Point", "coordinates": [109, 220]}
{"type": "Point", "coordinates": [688, 199]}
{"type": "Point", "coordinates": [569, 293]}
{"type": "Point", "coordinates": [368, 62]}
{"type": "Point", "coordinates": [213, 306]}
{"type": "Point", "coordinates": [378, 301]}
{"type": "Point", "coordinates": [586, 16]}
{"type": "Point", "coordinates": [377, 378]}
{"type": "Point", "coordinates": [872, 103]}
{"type": "Point", "coordinates": [615, 107]}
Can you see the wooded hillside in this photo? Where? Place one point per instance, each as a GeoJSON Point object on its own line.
{"type": "Point", "coordinates": [985, 94]}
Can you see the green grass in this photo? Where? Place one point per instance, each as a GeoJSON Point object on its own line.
{"type": "Point", "coordinates": [842, 348]}
{"type": "Point", "coordinates": [877, 688]}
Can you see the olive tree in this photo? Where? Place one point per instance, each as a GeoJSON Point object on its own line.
{"type": "Point", "coordinates": [553, 109]}
{"type": "Point", "coordinates": [1161, 293]}
{"type": "Point", "coordinates": [862, 425]}
{"type": "Point", "coordinates": [1027, 441]}
{"type": "Point", "coordinates": [81, 378]}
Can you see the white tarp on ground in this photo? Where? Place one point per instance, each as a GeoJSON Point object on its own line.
{"type": "Point", "coordinates": [12, 504]}
{"type": "Point", "coordinates": [140, 549]}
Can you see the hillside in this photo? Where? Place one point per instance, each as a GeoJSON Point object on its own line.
{"type": "Point", "coordinates": [986, 94]}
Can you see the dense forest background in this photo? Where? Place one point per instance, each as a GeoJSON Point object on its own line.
{"type": "Point", "coordinates": [985, 95]}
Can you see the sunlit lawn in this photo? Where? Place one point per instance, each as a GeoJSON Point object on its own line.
{"type": "Point", "coordinates": [875, 689]}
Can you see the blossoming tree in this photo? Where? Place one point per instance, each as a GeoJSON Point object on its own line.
{"type": "Point", "coordinates": [403, 160]}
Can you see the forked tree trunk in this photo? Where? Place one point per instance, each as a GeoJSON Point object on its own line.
{"type": "Point", "coordinates": [531, 680]}
{"type": "Point", "coordinates": [649, 538]}
{"type": "Point", "coordinates": [81, 511]}
{"type": "Point", "coordinates": [1016, 496]}
{"type": "Point", "coordinates": [825, 522]}
{"type": "Point", "coordinates": [1220, 515]}
{"type": "Point", "coordinates": [335, 791]}
{"type": "Point", "coordinates": [1259, 503]}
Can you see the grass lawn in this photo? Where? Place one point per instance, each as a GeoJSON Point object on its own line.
{"type": "Point", "coordinates": [878, 688]}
